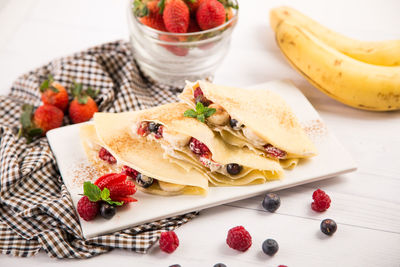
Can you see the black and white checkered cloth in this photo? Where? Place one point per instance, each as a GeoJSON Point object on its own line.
{"type": "Point", "coordinates": [36, 210]}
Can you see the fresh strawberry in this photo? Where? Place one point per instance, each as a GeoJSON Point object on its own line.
{"type": "Point", "coordinates": [175, 15]}
{"type": "Point", "coordinates": [178, 50]}
{"type": "Point", "coordinates": [123, 189]}
{"type": "Point", "coordinates": [210, 14]}
{"type": "Point", "coordinates": [48, 117]}
{"type": "Point", "coordinates": [151, 15]}
{"type": "Point", "coordinates": [45, 118]}
{"type": "Point", "coordinates": [110, 179]}
{"type": "Point", "coordinates": [54, 94]}
{"type": "Point", "coordinates": [125, 199]}
{"type": "Point", "coordinates": [83, 106]}
{"type": "Point", "coordinates": [193, 5]}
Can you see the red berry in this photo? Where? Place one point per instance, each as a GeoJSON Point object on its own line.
{"type": "Point", "coordinates": [275, 152]}
{"type": "Point", "coordinates": [56, 96]}
{"type": "Point", "coordinates": [159, 133]}
{"type": "Point", "coordinates": [143, 129]}
{"type": "Point", "coordinates": [321, 201]}
{"type": "Point", "coordinates": [197, 92]}
{"type": "Point", "coordinates": [169, 241]}
{"type": "Point", "coordinates": [128, 171]}
{"type": "Point", "coordinates": [199, 148]}
{"type": "Point", "coordinates": [154, 19]}
{"type": "Point", "coordinates": [106, 156]}
{"type": "Point", "coordinates": [122, 189]}
{"type": "Point", "coordinates": [87, 210]}
{"type": "Point", "coordinates": [174, 47]}
{"type": "Point", "coordinates": [238, 238]}
{"type": "Point", "coordinates": [210, 14]}
{"type": "Point", "coordinates": [176, 16]}
{"type": "Point", "coordinates": [47, 117]}
{"type": "Point", "coordinates": [110, 179]}
{"type": "Point", "coordinates": [125, 199]}
{"type": "Point", "coordinates": [82, 112]}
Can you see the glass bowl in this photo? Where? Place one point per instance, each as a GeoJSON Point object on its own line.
{"type": "Point", "coordinates": [171, 58]}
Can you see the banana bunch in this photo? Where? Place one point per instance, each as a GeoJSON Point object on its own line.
{"type": "Point", "coordinates": [364, 75]}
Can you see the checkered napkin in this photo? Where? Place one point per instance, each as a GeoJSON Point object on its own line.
{"type": "Point", "coordinates": [36, 210]}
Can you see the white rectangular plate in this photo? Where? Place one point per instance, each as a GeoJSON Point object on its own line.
{"type": "Point", "coordinates": [332, 160]}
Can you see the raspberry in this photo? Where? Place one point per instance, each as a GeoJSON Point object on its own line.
{"type": "Point", "coordinates": [106, 156]}
{"type": "Point", "coordinates": [109, 179]}
{"type": "Point", "coordinates": [122, 189]}
{"type": "Point", "coordinates": [159, 133]}
{"type": "Point", "coordinates": [197, 92]}
{"type": "Point", "coordinates": [199, 148]}
{"type": "Point", "coordinates": [87, 209]}
{"type": "Point", "coordinates": [128, 171]}
{"type": "Point", "coordinates": [321, 201]}
{"type": "Point", "coordinates": [275, 152]}
{"type": "Point", "coordinates": [238, 238]}
{"type": "Point", "coordinates": [169, 241]}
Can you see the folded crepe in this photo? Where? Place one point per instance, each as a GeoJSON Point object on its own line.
{"type": "Point", "coordinates": [191, 144]}
{"type": "Point", "coordinates": [257, 119]}
{"type": "Point", "coordinates": [137, 157]}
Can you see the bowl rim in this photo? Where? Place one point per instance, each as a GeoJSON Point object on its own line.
{"type": "Point", "coordinates": [133, 18]}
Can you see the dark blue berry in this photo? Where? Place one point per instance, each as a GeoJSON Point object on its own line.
{"type": "Point", "coordinates": [328, 226]}
{"type": "Point", "coordinates": [107, 211]}
{"type": "Point", "coordinates": [153, 127]}
{"type": "Point", "coordinates": [144, 181]}
{"type": "Point", "coordinates": [270, 247]}
{"type": "Point", "coordinates": [233, 168]}
{"type": "Point", "coordinates": [235, 124]}
{"type": "Point", "coordinates": [219, 265]}
{"type": "Point", "coordinates": [271, 202]}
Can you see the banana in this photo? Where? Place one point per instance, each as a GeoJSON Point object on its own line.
{"type": "Point", "coordinates": [169, 187]}
{"type": "Point", "coordinates": [385, 53]}
{"type": "Point", "coordinates": [352, 82]}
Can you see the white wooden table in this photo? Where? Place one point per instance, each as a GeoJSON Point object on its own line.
{"type": "Point", "coordinates": [365, 204]}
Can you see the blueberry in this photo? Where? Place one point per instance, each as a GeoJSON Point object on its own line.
{"type": "Point", "coordinates": [235, 124]}
{"type": "Point", "coordinates": [271, 202]}
{"type": "Point", "coordinates": [153, 127]}
{"type": "Point", "coordinates": [107, 211]}
{"type": "Point", "coordinates": [203, 100]}
{"type": "Point", "coordinates": [328, 226]}
{"type": "Point", "coordinates": [219, 265]}
{"type": "Point", "coordinates": [144, 181]}
{"type": "Point", "coordinates": [270, 247]}
{"type": "Point", "coordinates": [233, 168]}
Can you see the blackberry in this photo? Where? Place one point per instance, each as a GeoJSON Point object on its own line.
{"type": "Point", "coordinates": [270, 247]}
{"type": "Point", "coordinates": [271, 202]}
{"type": "Point", "coordinates": [328, 226]}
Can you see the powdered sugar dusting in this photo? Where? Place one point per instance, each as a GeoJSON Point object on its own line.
{"type": "Point", "coordinates": [86, 171]}
{"type": "Point", "coordinates": [315, 128]}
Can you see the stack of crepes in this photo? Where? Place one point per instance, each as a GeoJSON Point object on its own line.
{"type": "Point", "coordinates": [250, 139]}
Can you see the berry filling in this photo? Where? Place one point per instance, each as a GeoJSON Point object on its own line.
{"type": "Point", "coordinates": [199, 97]}
{"type": "Point", "coordinates": [129, 172]}
{"type": "Point", "coordinates": [275, 152]}
{"type": "Point", "coordinates": [145, 128]}
{"type": "Point", "coordinates": [106, 156]}
{"type": "Point", "coordinates": [199, 148]}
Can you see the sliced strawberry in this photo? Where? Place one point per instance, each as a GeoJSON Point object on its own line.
{"type": "Point", "coordinates": [122, 189]}
{"type": "Point", "coordinates": [110, 179]}
{"type": "Point", "coordinates": [125, 199]}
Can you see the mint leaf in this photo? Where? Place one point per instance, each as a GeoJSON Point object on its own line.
{"type": "Point", "coordinates": [105, 194]}
{"type": "Point", "coordinates": [190, 113]}
{"type": "Point", "coordinates": [201, 117]}
{"type": "Point", "coordinates": [117, 203]}
{"type": "Point", "coordinates": [92, 191]}
{"type": "Point", "coordinates": [209, 112]}
{"type": "Point", "coordinates": [199, 108]}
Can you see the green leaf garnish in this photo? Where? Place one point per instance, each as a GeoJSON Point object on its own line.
{"type": "Point", "coordinates": [201, 113]}
{"type": "Point", "coordinates": [94, 194]}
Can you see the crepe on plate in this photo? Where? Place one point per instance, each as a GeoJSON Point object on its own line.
{"type": "Point", "coordinates": [257, 119]}
{"type": "Point", "coordinates": [191, 144]}
{"type": "Point", "coordinates": [157, 175]}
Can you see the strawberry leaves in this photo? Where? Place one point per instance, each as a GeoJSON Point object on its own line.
{"type": "Point", "coordinates": [83, 95]}
{"type": "Point", "coordinates": [94, 193]}
{"type": "Point", "coordinates": [201, 113]}
{"type": "Point", "coordinates": [140, 9]}
{"type": "Point", "coordinates": [28, 129]}
{"type": "Point", "coordinates": [48, 84]}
